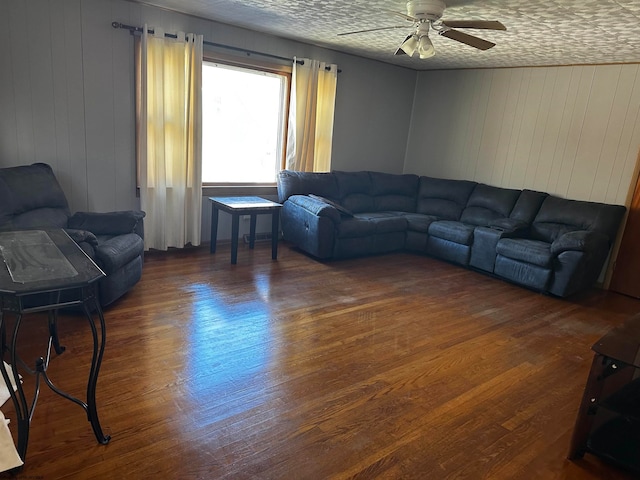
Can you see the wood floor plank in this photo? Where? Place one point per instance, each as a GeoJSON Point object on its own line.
{"type": "Point", "coordinates": [396, 366]}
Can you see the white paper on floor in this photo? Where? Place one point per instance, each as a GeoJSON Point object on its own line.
{"type": "Point", "coordinates": [4, 391]}
{"type": "Point", "coordinates": [9, 457]}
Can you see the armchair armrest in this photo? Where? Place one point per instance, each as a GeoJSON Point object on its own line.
{"type": "Point", "coordinates": [508, 225]}
{"type": "Point", "coordinates": [80, 236]}
{"type": "Point", "coordinates": [109, 223]}
{"type": "Point", "coordinates": [315, 207]}
{"type": "Point", "coordinates": [580, 240]}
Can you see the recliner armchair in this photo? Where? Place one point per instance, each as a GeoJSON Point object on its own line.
{"type": "Point", "coordinates": [31, 198]}
{"type": "Point", "coordinates": [565, 248]}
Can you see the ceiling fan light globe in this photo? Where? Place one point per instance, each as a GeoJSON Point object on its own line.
{"type": "Point", "coordinates": [410, 45]}
{"type": "Point", "coordinates": [425, 48]}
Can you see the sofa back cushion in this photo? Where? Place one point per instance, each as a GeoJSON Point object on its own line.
{"type": "Point", "coordinates": [355, 191]}
{"type": "Point", "coordinates": [366, 191]}
{"type": "Point", "coordinates": [30, 196]}
{"type": "Point", "coordinates": [394, 193]}
{"type": "Point", "coordinates": [558, 216]}
{"type": "Point", "coordinates": [527, 206]}
{"type": "Point", "coordinates": [304, 183]}
{"type": "Point", "coordinates": [443, 198]}
{"type": "Point", "coordinates": [488, 203]}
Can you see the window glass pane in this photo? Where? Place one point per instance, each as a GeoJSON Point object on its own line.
{"type": "Point", "coordinates": [242, 124]}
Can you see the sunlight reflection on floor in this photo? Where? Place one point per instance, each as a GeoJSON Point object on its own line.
{"type": "Point", "coordinates": [230, 347]}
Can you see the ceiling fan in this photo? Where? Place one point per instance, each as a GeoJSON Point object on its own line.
{"type": "Point", "coordinates": [426, 15]}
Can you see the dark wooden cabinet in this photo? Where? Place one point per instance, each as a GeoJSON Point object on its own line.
{"type": "Point", "coordinates": [608, 422]}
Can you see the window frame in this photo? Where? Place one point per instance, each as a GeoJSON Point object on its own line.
{"type": "Point", "coordinates": [250, 63]}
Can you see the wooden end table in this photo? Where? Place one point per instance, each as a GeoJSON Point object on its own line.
{"type": "Point", "coordinates": [237, 206]}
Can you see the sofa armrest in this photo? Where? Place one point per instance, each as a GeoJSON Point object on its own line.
{"type": "Point", "coordinates": [80, 236]}
{"type": "Point", "coordinates": [109, 223]}
{"type": "Point", "coordinates": [581, 241]}
{"type": "Point", "coordinates": [509, 226]}
{"type": "Point", "coordinates": [315, 207]}
{"type": "Point", "coordinates": [118, 251]}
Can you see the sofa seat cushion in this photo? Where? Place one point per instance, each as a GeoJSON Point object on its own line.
{"type": "Point", "coordinates": [386, 222]}
{"type": "Point", "coordinates": [364, 224]}
{"type": "Point", "coordinates": [456, 232]}
{"type": "Point", "coordinates": [417, 222]}
{"type": "Point", "coordinates": [526, 250]}
{"type": "Point", "coordinates": [355, 227]}
{"type": "Point", "coordinates": [115, 252]}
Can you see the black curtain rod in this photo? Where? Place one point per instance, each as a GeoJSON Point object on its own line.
{"type": "Point", "coordinates": [133, 30]}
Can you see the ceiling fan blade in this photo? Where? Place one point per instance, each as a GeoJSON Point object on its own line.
{"type": "Point", "coordinates": [467, 39]}
{"type": "Point", "coordinates": [399, 51]}
{"type": "Point", "coordinates": [372, 30]}
{"type": "Point", "coordinates": [485, 24]}
{"type": "Point", "coordinates": [403, 15]}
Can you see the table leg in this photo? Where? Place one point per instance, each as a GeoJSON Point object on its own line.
{"type": "Point", "coordinates": [53, 323]}
{"type": "Point", "coordinates": [252, 231]}
{"type": "Point", "coordinates": [235, 227]}
{"type": "Point", "coordinates": [584, 419]}
{"type": "Point", "coordinates": [53, 331]}
{"type": "Point", "coordinates": [214, 229]}
{"type": "Point", "coordinates": [96, 361]}
{"type": "Point", "coordinates": [275, 225]}
{"type": "Point", "coordinates": [23, 413]}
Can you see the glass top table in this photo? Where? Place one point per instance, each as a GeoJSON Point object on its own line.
{"type": "Point", "coordinates": [39, 260]}
{"type": "Point", "coordinates": [44, 271]}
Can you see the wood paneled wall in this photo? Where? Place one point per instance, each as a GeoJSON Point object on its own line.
{"type": "Point", "coordinates": [66, 97]}
{"type": "Point", "coordinates": [571, 131]}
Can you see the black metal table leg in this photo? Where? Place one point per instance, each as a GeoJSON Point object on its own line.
{"type": "Point", "coordinates": [24, 412]}
{"type": "Point", "coordinates": [54, 299]}
{"type": "Point", "coordinates": [53, 331]}
{"type": "Point", "coordinates": [96, 361]}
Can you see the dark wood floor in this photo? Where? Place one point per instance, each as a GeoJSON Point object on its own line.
{"type": "Point", "coordinates": [397, 366]}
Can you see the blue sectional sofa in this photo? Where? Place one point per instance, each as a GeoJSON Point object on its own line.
{"type": "Point", "coordinates": [534, 239]}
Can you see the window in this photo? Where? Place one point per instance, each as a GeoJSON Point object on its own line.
{"type": "Point", "coordinates": [244, 112]}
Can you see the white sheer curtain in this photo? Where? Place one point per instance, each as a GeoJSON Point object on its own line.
{"type": "Point", "coordinates": [169, 117]}
{"type": "Point", "coordinates": [311, 110]}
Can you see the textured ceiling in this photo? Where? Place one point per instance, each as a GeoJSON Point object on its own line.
{"type": "Point", "coordinates": [544, 32]}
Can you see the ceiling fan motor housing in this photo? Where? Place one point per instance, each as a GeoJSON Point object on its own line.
{"type": "Point", "coordinates": [426, 9]}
